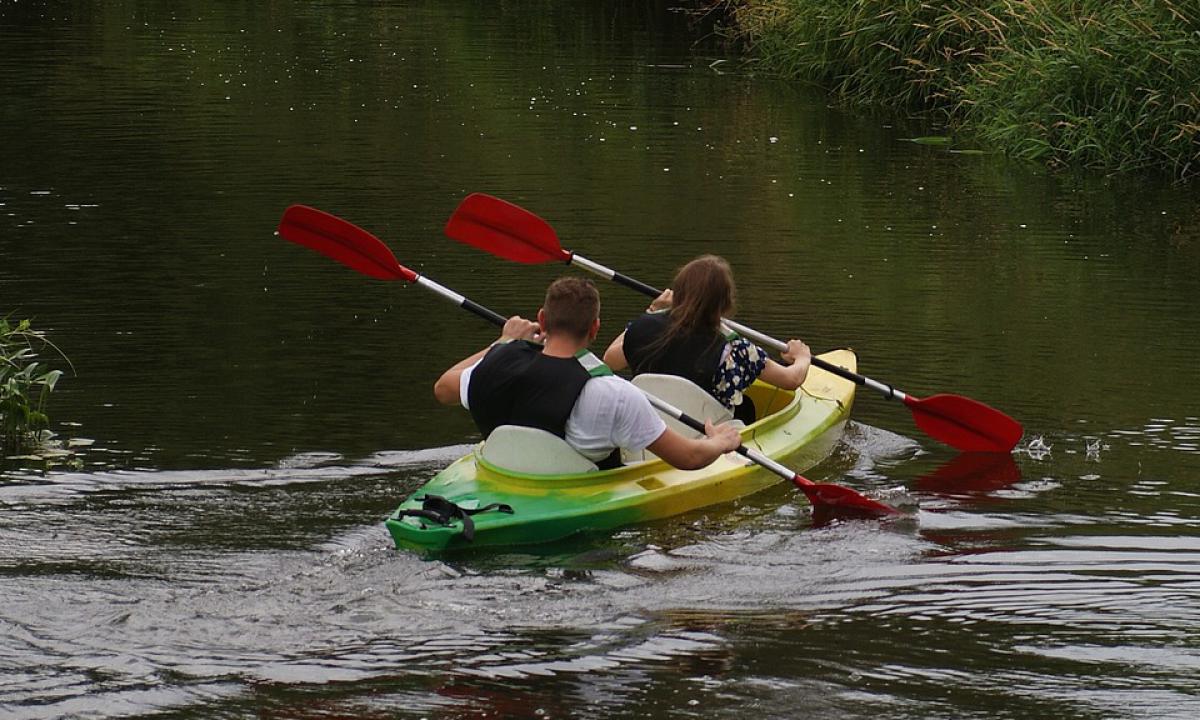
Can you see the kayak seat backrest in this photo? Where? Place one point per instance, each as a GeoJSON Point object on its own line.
{"type": "Point", "coordinates": [687, 396]}
{"type": "Point", "coordinates": [533, 451]}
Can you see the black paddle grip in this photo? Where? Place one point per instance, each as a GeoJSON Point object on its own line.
{"type": "Point", "coordinates": [481, 311]}
{"type": "Point", "coordinates": [641, 287]}
{"type": "Point", "coordinates": [839, 370]}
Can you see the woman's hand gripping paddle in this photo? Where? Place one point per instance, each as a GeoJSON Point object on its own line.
{"type": "Point", "coordinates": [512, 232]}
{"type": "Point", "coordinates": [358, 249]}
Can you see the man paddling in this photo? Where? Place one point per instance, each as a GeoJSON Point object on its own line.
{"type": "Point", "coordinates": [562, 388]}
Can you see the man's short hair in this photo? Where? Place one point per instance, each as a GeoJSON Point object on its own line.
{"type": "Point", "coordinates": [572, 304]}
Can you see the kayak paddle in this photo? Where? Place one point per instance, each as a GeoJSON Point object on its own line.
{"type": "Point", "coordinates": [360, 250]}
{"type": "Point", "coordinates": [515, 233]}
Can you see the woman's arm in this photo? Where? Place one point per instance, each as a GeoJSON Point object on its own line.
{"type": "Point", "coordinates": [614, 356]}
{"type": "Point", "coordinates": [789, 377]}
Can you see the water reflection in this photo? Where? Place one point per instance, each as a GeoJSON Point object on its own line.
{"type": "Point", "coordinates": [972, 473]}
{"type": "Point", "coordinates": [1179, 435]}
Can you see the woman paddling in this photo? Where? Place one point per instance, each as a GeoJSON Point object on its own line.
{"type": "Point", "coordinates": [688, 340]}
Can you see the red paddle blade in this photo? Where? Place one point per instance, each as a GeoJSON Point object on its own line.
{"type": "Point", "coordinates": [343, 241]}
{"type": "Point", "coordinates": [827, 498]}
{"type": "Point", "coordinates": [966, 424]}
{"type": "Point", "coordinates": [504, 229]}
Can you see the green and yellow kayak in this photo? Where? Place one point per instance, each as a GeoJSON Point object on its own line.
{"type": "Point", "coordinates": [473, 502]}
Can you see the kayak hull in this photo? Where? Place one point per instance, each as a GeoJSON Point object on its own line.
{"type": "Point", "coordinates": [798, 429]}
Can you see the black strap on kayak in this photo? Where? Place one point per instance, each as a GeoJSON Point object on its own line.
{"type": "Point", "coordinates": [443, 512]}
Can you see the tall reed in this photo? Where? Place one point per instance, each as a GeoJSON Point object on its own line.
{"type": "Point", "coordinates": [1104, 84]}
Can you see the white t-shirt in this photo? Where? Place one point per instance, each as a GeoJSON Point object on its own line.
{"type": "Point", "coordinates": [609, 413]}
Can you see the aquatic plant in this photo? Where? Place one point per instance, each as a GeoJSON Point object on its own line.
{"type": "Point", "coordinates": [25, 384]}
{"type": "Point", "coordinates": [1067, 82]}
{"type": "Point", "coordinates": [1105, 85]}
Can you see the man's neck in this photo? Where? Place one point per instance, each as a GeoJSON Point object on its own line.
{"type": "Point", "coordinates": [563, 346]}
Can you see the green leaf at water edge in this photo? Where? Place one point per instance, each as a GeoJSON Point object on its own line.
{"type": "Point", "coordinates": [50, 379]}
{"type": "Point", "coordinates": [932, 140]}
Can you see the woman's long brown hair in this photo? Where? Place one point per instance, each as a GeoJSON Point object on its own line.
{"type": "Point", "coordinates": [702, 293]}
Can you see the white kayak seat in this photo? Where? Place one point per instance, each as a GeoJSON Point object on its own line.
{"type": "Point", "coordinates": [686, 395]}
{"type": "Point", "coordinates": [533, 451]}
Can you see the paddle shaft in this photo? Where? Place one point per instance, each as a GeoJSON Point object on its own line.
{"type": "Point", "coordinates": [753, 455]}
{"type": "Point", "coordinates": [747, 332]}
{"type": "Point", "coordinates": [460, 300]}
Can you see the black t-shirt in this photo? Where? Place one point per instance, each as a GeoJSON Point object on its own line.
{"type": "Point", "coordinates": [694, 356]}
{"type": "Point", "coordinates": [691, 355]}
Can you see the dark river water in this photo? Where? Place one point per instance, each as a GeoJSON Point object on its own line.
{"type": "Point", "coordinates": [243, 413]}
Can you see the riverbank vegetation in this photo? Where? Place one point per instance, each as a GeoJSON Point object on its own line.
{"type": "Point", "coordinates": [25, 385]}
{"type": "Point", "coordinates": [1093, 83]}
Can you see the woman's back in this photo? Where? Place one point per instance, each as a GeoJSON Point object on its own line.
{"type": "Point", "coordinates": [720, 367]}
{"type": "Point", "coordinates": [693, 355]}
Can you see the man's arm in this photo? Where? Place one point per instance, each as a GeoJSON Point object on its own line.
{"type": "Point", "coordinates": [636, 425]}
{"type": "Point", "coordinates": [446, 389]}
{"type": "Point", "coordinates": [692, 454]}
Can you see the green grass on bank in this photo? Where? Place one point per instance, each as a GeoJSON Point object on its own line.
{"type": "Point", "coordinates": [1094, 83]}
